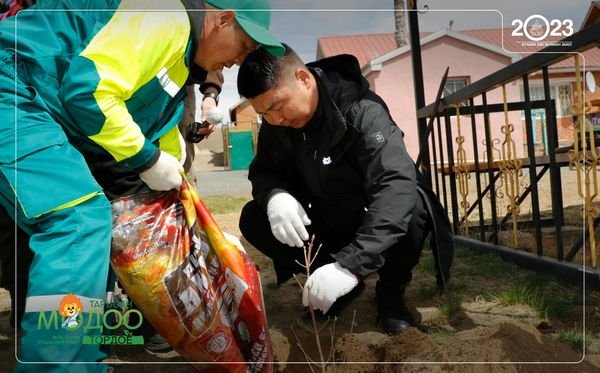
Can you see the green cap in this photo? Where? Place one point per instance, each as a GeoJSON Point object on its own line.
{"type": "Point", "coordinates": [254, 16]}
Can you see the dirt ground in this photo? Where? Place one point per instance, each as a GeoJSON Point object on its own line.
{"type": "Point", "coordinates": [483, 337]}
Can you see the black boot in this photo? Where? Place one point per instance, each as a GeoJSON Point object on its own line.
{"type": "Point", "coordinates": [391, 310]}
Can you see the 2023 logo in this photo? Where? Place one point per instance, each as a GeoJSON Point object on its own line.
{"type": "Point", "coordinates": [537, 27]}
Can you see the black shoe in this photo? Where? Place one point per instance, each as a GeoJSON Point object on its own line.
{"type": "Point", "coordinates": [391, 310]}
{"type": "Point", "coordinates": [339, 305]}
{"type": "Point", "coordinates": [157, 344]}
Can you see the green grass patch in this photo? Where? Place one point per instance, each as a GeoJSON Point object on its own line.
{"type": "Point", "coordinates": [427, 290]}
{"type": "Point", "coordinates": [223, 204]}
{"type": "Point", "coordinates": [534, 298]}
{"type": "Point", "coordinates": [456, 287]}
{"type": "Point", "coordinates": [571, 337]}
{"type": "Point", "coordinates": [427, 263]}
{"type": "Point", "coordinates": [450, 305]}
{"type": "Point", "coordinates": [486, 274]}
{"type": "Point", "coordinates": [483, 264]}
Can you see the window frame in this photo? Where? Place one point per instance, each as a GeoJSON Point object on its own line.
{"type": "Point", "coordinates": [465, 79]}
{"type": "Point", "coordinates": [554, 93]}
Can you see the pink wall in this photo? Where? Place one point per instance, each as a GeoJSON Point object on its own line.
{"type": "Point", "coordinates": [395, 85]}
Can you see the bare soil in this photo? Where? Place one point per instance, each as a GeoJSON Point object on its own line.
{"type": "Point", "coordinates": [483, 336]}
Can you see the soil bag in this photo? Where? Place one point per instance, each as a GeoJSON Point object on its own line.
{"type": "Point", "coordinates": [195, 287]}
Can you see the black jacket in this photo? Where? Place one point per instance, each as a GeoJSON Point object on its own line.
{"type": "Point", "coordinates": [349, 162]}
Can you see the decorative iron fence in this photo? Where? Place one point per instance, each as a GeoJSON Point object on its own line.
{"type": "Point", "coordinates": [537, 209]}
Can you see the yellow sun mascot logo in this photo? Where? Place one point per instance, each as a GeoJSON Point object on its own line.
{"type": "Point", "coordinates": [70, 307]}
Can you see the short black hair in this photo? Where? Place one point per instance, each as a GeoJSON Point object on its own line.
{"type": "Point", "coordinates": [261, 71]}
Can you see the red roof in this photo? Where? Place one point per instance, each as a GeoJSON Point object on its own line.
{"type": "Point", "coordinates": [364, 47]}
{"type": "Point", "coordinates": [593, 15]}
{"type": "Point", "coordinates": [369, 46]}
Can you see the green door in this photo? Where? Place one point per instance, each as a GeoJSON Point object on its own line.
{"type": "Point", "coordinates": [241, 151]}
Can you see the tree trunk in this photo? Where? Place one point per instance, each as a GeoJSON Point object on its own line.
{"type": "Point", "coordinates": [400, 23]}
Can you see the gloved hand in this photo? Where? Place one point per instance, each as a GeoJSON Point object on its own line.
{"type": "Point", "coordinates": [326, 285]}
{"type": "Point", "coordinates": [234, 241]}
{"type": "Point", "coordinates": [198, 131]}
{"type": "Point", "coordinates": [164, 174]}
{"type": "Point", "coordinates": [287, 218]}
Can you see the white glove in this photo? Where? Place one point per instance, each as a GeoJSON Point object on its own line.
{"type": "Point", "coordinates": [287, 218]}
{"type": "Point", "coordinates": [214, 115]}
{"type": "Point", "coordinates": [234, 241]}
{"type": "Point", "coordinates": [164, 174]}
{"type": "Point", "coordinates": [326, 285]}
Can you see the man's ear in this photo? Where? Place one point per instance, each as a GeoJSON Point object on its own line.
{"type": "Point", "coordinates": [303, 76]}
{"type": "Point", "coordinates": [225, 18]}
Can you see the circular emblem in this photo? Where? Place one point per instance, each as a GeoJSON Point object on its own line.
{"type": "Point", "coordinates": [539, 28]}
{"type": "Point", "coordinates": [218, 343]}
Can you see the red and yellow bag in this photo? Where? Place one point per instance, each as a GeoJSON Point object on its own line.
{"type": "Point", "coordinates": [196, 288]}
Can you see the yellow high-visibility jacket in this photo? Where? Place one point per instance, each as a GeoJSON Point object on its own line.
{"type": "Point", "coordinates": [112, 73]}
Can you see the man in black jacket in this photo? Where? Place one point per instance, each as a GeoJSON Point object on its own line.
{"type": "Point", "coordinates": [331, 162]}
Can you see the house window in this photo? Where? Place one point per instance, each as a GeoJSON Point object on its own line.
{"type": "Point", "coordinates": [537, 93]}
{"type": "Point", "coordinates": [564, 92]}
{"type": "Point", "coordinates": [565, 100]}
{"type": "Point", "coordinates": [454, 84]}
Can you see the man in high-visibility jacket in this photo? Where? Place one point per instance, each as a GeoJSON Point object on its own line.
{"type": "Point", "coordinates": [100, 76]}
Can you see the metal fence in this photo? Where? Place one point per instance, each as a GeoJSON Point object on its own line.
{"type": "Point", "coordinates": [512, 200]}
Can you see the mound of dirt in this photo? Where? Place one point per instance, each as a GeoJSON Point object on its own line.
{"type": "Point", "coordinates": [412, 345]}
{"type": "Point", "coordinates": [504, 348]}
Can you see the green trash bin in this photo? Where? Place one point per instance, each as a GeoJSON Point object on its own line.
{"type": "Point", "coordinates": [241, 149]}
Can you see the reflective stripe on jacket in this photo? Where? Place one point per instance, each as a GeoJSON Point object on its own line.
{"type": "Point", "coordinates": [111, 74]}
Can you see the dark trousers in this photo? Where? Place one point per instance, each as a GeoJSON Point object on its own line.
{"type": "Point", "coordinates": [400, 258]}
